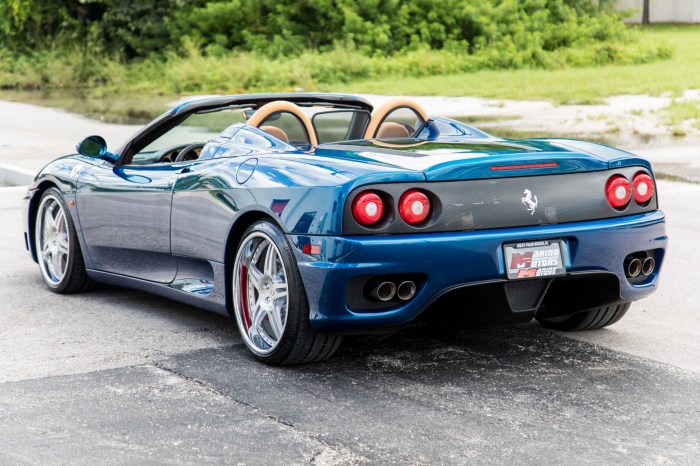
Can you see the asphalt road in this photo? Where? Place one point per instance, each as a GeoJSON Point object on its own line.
{"type": "Point", "coordinates": [116, 376]}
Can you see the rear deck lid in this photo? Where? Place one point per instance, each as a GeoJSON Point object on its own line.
{"type": "Point", "coordinates": [449, 160]}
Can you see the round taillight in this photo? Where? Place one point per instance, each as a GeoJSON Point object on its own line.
{"type": "Point", "coordinates": [414, 206]}
{"type": "Point", "coordinates": [618, 191]}
{"type": "Point", "coordinates": [643, 188]}
{"type": "Point", "coordinates": [367, 208]}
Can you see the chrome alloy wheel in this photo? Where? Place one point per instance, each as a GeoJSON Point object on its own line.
{"type": "Point", "coordinates": [260, 289]}
{"type": "Point", "coordinates": [52, 243]}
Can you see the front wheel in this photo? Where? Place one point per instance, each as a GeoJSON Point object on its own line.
{"type": "Point", "coordinates": [270, 304]}
{"type": "Point", "coordinates": [57, 247]}
{"type": "Point", "coordinates": [587, 320]}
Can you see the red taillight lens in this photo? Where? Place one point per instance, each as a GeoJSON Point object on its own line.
{"type": "Point", "coordinates": [414, 206]}
{"type": "Point", "coordinates": [643, 188]}
{"type": "Point", "coordinates": [367, 208]}
{"type": "Point", "coordinates": [618, 191]}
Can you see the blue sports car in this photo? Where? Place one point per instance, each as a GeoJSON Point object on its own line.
{"type": "Point", "coordinates": [309, 216]}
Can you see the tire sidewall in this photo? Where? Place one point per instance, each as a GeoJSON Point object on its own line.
{"type": "Point", "coordinates": [297, 310]}
{"type": "Point", "coordinates": [72, 240]}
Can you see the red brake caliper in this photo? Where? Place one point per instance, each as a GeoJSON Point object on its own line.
{"type": "Point", "coordinates": [244, 297]}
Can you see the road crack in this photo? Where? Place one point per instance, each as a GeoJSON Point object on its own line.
{"type": "Point", "coordinates": [328, 454]}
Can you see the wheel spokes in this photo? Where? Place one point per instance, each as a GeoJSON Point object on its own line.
{"type": "Point", "coordinates": [52, 242]}
{"type": "Point", "coordinates": [57, 265]}
{"type": "Point", "coordinates": [275, 322]}
{"type": "Point", "coordinates": [254, 275]}
{"type": "Point", "coordinates": [257, 315]}
{"type": "Point", "coordinates": [280, 289]}
{"type": "Point", "coordinates": [46, 229]}
{"type": "Point", "coordinates": [62, 245]}
{"type": "Point", "coordinates": [60, 221]}
{"type": "Point", "coordinates": [270, 267]}
{"type": "Point", "coordinates": [266, 291]}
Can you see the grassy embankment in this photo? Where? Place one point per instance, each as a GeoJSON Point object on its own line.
{"type": "Point", "coordinates": [419, 72]}
{"type": "Point", "coordinates": [586, 85]}
{"type": "Point", "coordinates": [568, 85]}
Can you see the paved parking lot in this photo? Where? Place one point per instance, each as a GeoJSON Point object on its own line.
{"type": "Point", "coordinates": [118, 376]}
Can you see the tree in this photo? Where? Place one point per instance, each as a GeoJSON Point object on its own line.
{"type": "Point", "coordinates": [645, 13]}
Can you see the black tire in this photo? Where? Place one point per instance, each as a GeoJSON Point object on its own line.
{"type": "Point", "coordinates": [299, 342]}
{"type": "Point", "coordinates": [587, 320]}
{"type": "Point", "coordinates": [75, 278]}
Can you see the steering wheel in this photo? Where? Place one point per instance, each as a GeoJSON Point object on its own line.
{"type": "Point", "coordinates": [261, 114]}
{"type": "Point", "coordinates": [380, 114]}
{"type": "Point", "coordinates": [189, 152]}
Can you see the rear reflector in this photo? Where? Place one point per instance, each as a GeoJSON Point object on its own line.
{"type": "Point", "coordinates": [367, 208]}
{"type": "Point", "coordinates": [524, 166]}
{"type": "Point", "coordinates": [618, 191]}
{"type": "Point", "coordinates": [643, 188]}
{"type": "Point", "coordinates": [311, 249]}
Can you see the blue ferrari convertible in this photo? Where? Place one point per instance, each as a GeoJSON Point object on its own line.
{"type": "Point", "coordinates": [309, 216]}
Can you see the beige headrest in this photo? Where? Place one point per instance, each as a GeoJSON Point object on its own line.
{"type": "Point", "coordinates": [276, 132]}
{"type": "Point", "coordinates": [389, 129]}
{"type": "Point", "coordinates": [277, 106]}
{"type": "Point", "coordinates": [389, 106]}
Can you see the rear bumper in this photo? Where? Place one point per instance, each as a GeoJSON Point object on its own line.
{"type": "Point", "coordinates": [446, 261]}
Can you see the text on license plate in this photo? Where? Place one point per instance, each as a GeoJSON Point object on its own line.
{"type": "Point", "coordinates": [533, 259]}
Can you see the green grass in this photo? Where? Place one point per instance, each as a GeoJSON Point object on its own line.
{"type": "Point", "coordinates": [683, 110]}
{"type": "Point", "coordinates": [564, 86]}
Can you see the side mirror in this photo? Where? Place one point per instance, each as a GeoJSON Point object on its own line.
{"type": "Point", "coordinates": [92, 146]}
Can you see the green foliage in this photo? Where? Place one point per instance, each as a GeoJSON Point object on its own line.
{"type": "Point", "coordinates": [137, 28]}
{"type": "Point", "coordinates": [386, 27]}
{"type": "Point", "coordinates": [283, 44]}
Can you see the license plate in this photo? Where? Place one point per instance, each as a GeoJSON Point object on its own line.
{"type": "Point", "coordinates": [533, 259]}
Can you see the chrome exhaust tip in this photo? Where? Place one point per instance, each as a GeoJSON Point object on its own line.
{"type": "Point", "coordinates": [384, 291]}
{"type": "Point", "coordinates": [648, 266]}
{"type": "Point", "coordinates": [406, 290]}
{"type": "Point", "coordinates": [634, 268]}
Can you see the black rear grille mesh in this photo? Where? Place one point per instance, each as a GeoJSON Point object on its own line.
{"type": "Point", "coordinates": [525, 295]}
{"type": "Point", "coordinates": [355, 297]}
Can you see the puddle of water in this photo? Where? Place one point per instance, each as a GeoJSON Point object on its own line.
{"type": "Point", "coordinates": [128, 109]}
{"type": "Point", "coordinates": [138, 109]}
{"type": "Point", "coordinates": [627, 140]}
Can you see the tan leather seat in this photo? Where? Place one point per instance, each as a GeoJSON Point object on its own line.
{"type": "Point", "coordinates": [276, 132]}
{"type": "Point", "coordinates": [380, 114]}
{"type": "Point", "coordinates": [389, 129]}
{"type": "Point", "coordinates": [260, 116]}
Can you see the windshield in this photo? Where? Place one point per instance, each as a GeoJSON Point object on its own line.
{"type": "Point", "coordinates": [330, 125]}
{"type": "Point", "coordinates": [198, 127]}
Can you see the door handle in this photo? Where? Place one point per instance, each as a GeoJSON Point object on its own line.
{"type": "Point", "coordinates": [185, 170]}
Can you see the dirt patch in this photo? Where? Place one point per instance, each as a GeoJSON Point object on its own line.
{"type": "Point", "coordinates": [633, 114]}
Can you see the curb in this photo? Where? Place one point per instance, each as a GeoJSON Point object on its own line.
{"type": "Point", "coordinates": [15, 176]}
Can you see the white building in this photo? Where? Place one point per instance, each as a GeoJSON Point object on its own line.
{"type": "Point", "coordinates": [665, 11]}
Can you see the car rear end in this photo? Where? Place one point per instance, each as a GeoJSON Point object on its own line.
{"type": "Point", "coordinates": [522, 238]}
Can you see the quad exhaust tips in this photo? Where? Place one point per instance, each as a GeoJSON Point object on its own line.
{"type": "Point", "coordinates": [636, 266]}
{"type": "Point", "coordinates": [648, 266]}
{"type": "Point", "coordinates": [406, 290]}
{"type": "Point", "coordinates": [386, 291]}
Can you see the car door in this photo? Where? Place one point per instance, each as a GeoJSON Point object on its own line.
{"type": "Point", "coordinates": [124, 213]}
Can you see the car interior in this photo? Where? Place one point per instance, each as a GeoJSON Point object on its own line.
{"type": "Point", "coordinates": [301, 126]}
